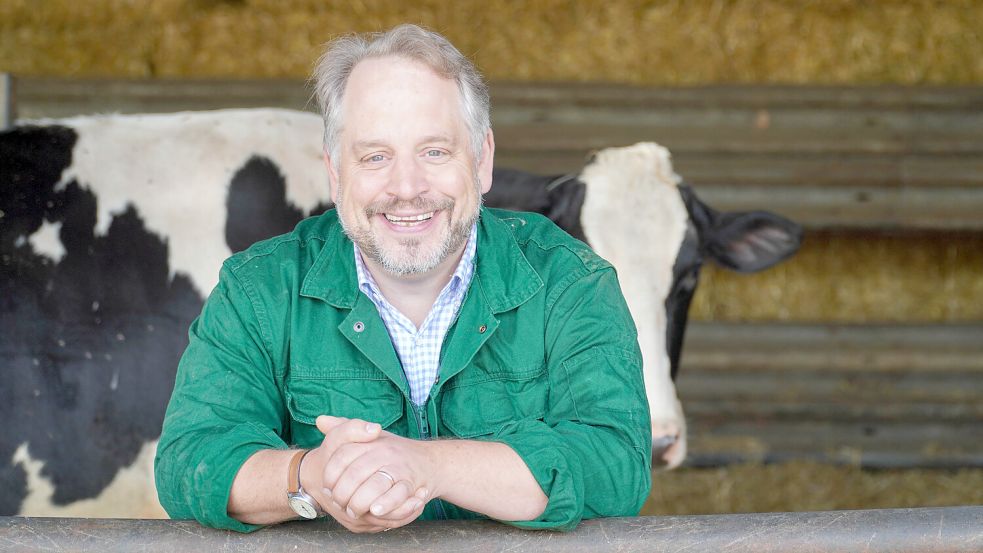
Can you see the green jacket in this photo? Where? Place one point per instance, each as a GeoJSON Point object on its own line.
{"type": "Point", "coordinates": [543, 357]}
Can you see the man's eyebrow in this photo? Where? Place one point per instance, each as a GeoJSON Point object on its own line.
{"type": "Point", "coordinates": [442, 138]}
{"type": "Point", "coordinates": [373, 143]}
{"type": "Point", "coordinates": [364, 144]}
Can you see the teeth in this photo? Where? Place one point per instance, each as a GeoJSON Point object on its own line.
{"type": "Point", "coordinates": [409, 219]}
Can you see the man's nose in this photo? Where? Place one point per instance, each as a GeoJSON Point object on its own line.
{"type": "Point", "coordinates": [409, 178]}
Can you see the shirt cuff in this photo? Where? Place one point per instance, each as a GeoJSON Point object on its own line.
{"type": "Point", "coordinates": [210, 482]}
{"type": "Point", "coordinates": [555, 467]}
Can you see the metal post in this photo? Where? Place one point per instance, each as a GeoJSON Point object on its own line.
{"type": "Point", "coordinates": [7, 108]}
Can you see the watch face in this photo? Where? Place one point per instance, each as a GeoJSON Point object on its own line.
{"type": "Point", "coordinates": [302, 508]}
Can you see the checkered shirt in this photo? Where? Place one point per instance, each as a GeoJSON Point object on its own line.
{"type": "Point", "coordinates": [419, 349]}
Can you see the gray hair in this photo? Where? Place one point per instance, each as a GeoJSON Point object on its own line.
{"type": "Point", "coordinates": [341, 55]}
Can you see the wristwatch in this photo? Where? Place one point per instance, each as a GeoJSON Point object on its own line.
{"type": "Point", "coordinates": [302, 503]}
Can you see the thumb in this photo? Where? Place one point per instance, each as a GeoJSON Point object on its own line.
{"type": "Point", "coordinates": [325, 423]}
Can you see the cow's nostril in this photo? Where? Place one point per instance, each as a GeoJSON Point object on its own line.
{"type": "Point", "coordinates": [663, 443]}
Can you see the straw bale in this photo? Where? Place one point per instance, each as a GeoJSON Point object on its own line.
{"type": "Point", "coordinates": [856, 278]}
{"type": "Point", "coordinates": [807, 486]}
{"type": "Point", "coordinates": [668, 42]}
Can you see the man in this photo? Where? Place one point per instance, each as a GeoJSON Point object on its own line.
{"type": "Point", "coordinates": [327, 360]}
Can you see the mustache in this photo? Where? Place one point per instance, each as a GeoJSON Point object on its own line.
{"type": "Point", "coordinates": [416, 204]}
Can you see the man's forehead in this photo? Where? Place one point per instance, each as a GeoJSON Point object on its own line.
{"type": "Point", "coordinates": [394, 96]}
{"type": "Point", "coordinates": [384, 71]}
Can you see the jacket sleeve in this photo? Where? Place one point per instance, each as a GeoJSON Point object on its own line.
{"type": "Point", "coordinates": [592, 453]}
{"type": "Point", "coordinates": [225, 407]}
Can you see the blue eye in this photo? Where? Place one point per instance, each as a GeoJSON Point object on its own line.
{"type": "Point", "coordinates": [434, 153]}
{"type": "Point", "coordinates": [376, 158]}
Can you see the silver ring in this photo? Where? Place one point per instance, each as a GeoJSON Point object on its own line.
{"type": "Point", "coordinates": [387, 475]}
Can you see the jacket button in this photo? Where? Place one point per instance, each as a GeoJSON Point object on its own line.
{"type": "Point", "coordinates": [358, 327]}
{"type": "Point", "coordinates": [482, 329]}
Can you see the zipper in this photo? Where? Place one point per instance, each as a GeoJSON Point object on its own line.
{"type": "Point", "coordinates": [423, 428]}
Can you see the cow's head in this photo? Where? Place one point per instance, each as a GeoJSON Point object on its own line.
{"type": "Point", "coordinates": [657, 233]}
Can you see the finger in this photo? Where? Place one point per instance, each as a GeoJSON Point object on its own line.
{"type": "Point", "coordinates": [361, 476]}
{"type": "Point", "coordinates": [343, 456]}
{"type": "Point", "coordinates": [325, 423]}
{"type": "Point", "coordinates": [347, 431]}
{"type": "Point", "coordinates": [393, 522]}
{"type": "Point", "coordinates": [336, 512]}
{"type": "Point", "coordinates": [365, 499]}
{"type": "Point", "coordinates": [415, 503]}
{"type": "Point", "coordinates": [396, 505]}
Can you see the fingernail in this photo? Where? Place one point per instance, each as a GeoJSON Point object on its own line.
{"type": "Point", "coordinates": [335, 505]}
{"type": "Point", "coordinates": [417, 504]}
{"type": "Point", "coordinates": [376, 509]}
{"type": "Point", "coordinates": [350, 512]}
{"type": "Point", "coordinates": [372, 427]}
{"type": "Point", "coordinates": [422, 493]}
{"type": "Point", "coordinates": [326, 492]}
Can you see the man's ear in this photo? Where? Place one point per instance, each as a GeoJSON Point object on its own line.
{"type": "Point", "coordinates": [487, 162]}
{"type": "Point", "coordinates": [332, 177]}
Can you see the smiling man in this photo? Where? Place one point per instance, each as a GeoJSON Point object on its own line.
{"type": "Point", "coordinates": [327, 362]}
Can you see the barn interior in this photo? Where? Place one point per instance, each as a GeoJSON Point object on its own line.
{"type": "Point", "coordinates": [849, 376]}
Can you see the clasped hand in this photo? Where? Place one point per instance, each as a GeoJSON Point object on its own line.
{"type": "Point", "coordinates": [349, 475]}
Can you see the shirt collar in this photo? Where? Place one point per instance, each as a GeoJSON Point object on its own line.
{"type": "Point", "coordinates": [506, 278]}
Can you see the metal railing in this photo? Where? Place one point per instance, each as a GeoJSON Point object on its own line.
{"type": "Point", "coordinates": [949, 529]}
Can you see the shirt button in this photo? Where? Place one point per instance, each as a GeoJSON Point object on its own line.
{"type": "Point", "coordinates": [358, 327]}
{"type": "Point", "coordinates": [482, 329]}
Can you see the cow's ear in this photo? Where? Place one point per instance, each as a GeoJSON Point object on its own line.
{"type": "Point", "coordinates": [751, 241]}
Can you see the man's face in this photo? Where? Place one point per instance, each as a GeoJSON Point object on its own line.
{"type": "Point", "coordinates": [405, 182]}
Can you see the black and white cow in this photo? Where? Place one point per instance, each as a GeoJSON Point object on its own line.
{"type": "Point", "coordinates": [113, 229]}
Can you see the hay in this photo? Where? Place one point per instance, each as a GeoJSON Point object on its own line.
{"type": "Point", "coordinates": [856, 278]}
{"type": "Point", "coordinates": [807, 486]}
{"type": "Point", "coordinates": [630, 41]}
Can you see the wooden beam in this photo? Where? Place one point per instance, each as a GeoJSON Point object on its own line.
{"type": "Point", "coordinates": [7, 106]}
{"type": "Point", "coordinates": [883, 157]}
{"type": "Point", "coordinates": [926, 530]}
{"type": "Point", "coordinates": [871, 395]}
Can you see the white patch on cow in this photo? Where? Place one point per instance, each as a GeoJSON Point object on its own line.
{"type": "Point", "coordinates": [131, 494]}
{"type": "Point", "coordinates": [174, 167]}
{"type": "Point", "coordinates": [634, 217]}
{"type": "Point", "coordinates": [46, 241]}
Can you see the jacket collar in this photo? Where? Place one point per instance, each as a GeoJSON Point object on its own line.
{"type": "Point", "coordinates": [502, 274]}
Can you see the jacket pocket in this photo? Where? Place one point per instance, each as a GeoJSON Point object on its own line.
{"type": "Point", "coordinates": [353, 394]}
{"type": "Point", "coordinates": [481, 403]}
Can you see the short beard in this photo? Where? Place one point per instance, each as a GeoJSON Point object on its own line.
{"type": "Point", "coordinates": [408, 259]}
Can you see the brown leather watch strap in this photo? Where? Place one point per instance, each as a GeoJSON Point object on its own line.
{"type": "Point", "coordinates": [293, 473]}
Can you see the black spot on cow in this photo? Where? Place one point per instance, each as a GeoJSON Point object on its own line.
{"type": "Point", "coordinates": [91, 342]}
{"type": "Point", "coordinates": [257, 205]}
{"type": "Point", "coordinates": [559, 197]}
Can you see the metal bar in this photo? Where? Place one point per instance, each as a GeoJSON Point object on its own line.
{"type": "Point", "coordinates": [7, 107]}
{"type": "Point", "coordinates": [950, 529]}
